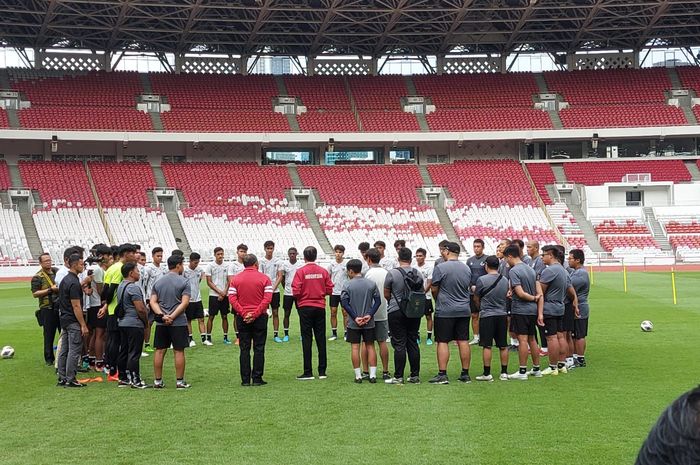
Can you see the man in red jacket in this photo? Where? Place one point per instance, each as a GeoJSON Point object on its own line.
{"type": "Point", "coordinates": [250, 293]}
{"type": "Point", "coordinates": [310, 287]}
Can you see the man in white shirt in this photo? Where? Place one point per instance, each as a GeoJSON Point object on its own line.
{"type": "Point", "coordinates": [289, 269]}
{"type": "Point", "coordinates": [339, 275]}
{"type": "Point", "coordinates": [377, 274]}
{"type": "Point", "coordinates": [195, 310]}
{"type": "Point", "coordinates": [216, 276]}
{"type": "Point", "coordinates": [272, 267]}
{"type": "Point", "coordinates": [426, 270]}
{"type": "Point", "coordinates": [150, 274]}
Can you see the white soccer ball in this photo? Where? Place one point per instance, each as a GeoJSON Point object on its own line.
{"type": "Point", "coordinates": [647, 326]}
{"type": "Point", "coordinates": [7, 352]}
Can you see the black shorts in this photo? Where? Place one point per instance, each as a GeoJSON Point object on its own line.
{"type": "Point", "coordinates": [580, 328]}
{"type": "Point", "coordinates": [287, 302]}
{"type": "Point", "coordinates": [524, 325]}
{"type": "Point", "coordinates": [167, 335]}
{"type": "Point", "coordinates": [275, 300]}
{"type": "Point", "coordinates": [355, 336]}
{"type": "Point", "coordinates": [451, 329]}
{"type": "Point", "coordinates": [334, 301]}
{"type": "Point", "coordinates": [112, 324]}
{"type": "Point", "coordinates": [568, 323]}
{"type": "Point", "coordinates": [92, 320]}
{"type": "Point", "coordinates": [553, 325]}
{"type": "Point", "coordinates": [216, 306]}
{"type": "Point", "coordinates": [429, 309]}
{"type": "Point", "coordinates": [493, 331]}
{"type": "Point", "coordinates": [473, 307]}
{"type": "Point", "coordinates": [194, 311]}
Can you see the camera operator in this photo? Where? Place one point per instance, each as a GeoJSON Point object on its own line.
{"type": "Point", "coordinates": [99, 261]}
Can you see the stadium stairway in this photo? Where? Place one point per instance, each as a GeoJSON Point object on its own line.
{"type": "Point", "coordinates": [314, 224]}
{"type": "Point", "coordinates": [15, 176]}
{"type": "Point", "coordinates": [412, 92]}
{"type": "Point", "coordinates": [693, 168]}
{"type": "Point", "coordinates": [12, 116]}
{"type": "Point", "coordinates": [159, 176]}
{"type": "Point", "coordinates": [353, 105]}
{"type": "Point", "coordinates": [291, 119]}
{"type": "Point", "coordinates": [677, 84]}
{"type": "Point", "coordinates": [553, 114]}
{"type": "Point", "coordinates": [559, 174]}
{"type": "Point", "coordinates": [156, 120]}
{"type": "Point", "coordinates": [656, 229]}
{"type": "Point", "coordinates": [583, 223]}
{"type": "Point", "coordinates": [30, 232]}
{"type": "Point", "coordinates": [442, 215]}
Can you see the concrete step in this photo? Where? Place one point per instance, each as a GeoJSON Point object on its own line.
{"type": "Point", "coordinates": [693, 168]}
{"type": "Point", "coordinates": [146, 83]}
{"type": "Point", "coordinates": [30, 232]}
{"type": "Point", "coordinates": [156, 121]}
{"type": "Point", "coordinates": [5, 198]}
{"type": "Point", "coordinates": [559, 174]}
{"type": "Point", "coordinates": [656, 229]}
{"type": "Point", "coordinates": [555, 119]}
{"type": "Point", "coordinates": [15, 176]}
{"type": "Point", "coordinates": [159, 176]}
{"type": "Point", "coordinates": [541, 83]}
{"type": "Point", "coordinates": [425, 175]}
{"type": "Point", "coordinates": [318, 231]}
{"type": "Point", "coordinates": [294, 174]}
{"type": "Point", "coordinates": [583, 223]}
{"type": "Point", "coordinates": [675, 79]}
{"type": "Point", "coordinates": [690, 116]}
{"type": "Point", "coordinates": [178, 232]}
{"type": "Point", "coordinates": [447, 226]}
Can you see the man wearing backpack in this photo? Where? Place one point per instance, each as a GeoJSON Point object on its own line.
{"type": "Point", "coordinates": [403, 290]}
{"type": "Point", "coordinates": [450, 287]}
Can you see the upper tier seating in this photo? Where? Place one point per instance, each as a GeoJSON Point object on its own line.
{"type": "Point", "coordinates": [122, 184]}
{"type": "Point", "coordinates": [612, 86]}
{"type": "Point", "coordinates": [378, 92]}
{"type": "Point", "coordinates": [5, 180]}
{"type": "Point", "coordinates": [13, 242]}
{"type": "Point", "coordinates": [478, 90]}
{"type": "Point", "coordinates": [216, 120]}
{"type": "Point", "coordinates": [95, 100]}
{"type": "Point", "coordinates": [488, 119]}
{"type": "Point", "coordinates": [4, 122]}
{"type": "Point", "coordinates": [542, 175]}
{"type": "Point", "coordinates": [621, 116]}
{"type": "Point", "coordinates": [144, 226]}
{"type": "Point", "coordinates": [601, 172]}
{"type": "Point", "coordinates": [327, 103]}
{"type": "Point", "coordinates": [377, 185]}
{"type": "Point", "coordinates": [59, 184]}
{"type": "Point", "coordinates": [389, 121]}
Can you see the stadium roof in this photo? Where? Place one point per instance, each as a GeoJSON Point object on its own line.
{"type": "Point", "coordinates": [355, 27]}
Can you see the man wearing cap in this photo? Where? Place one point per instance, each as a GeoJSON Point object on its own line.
{"type": "Point", "coordinates": [450, 287]}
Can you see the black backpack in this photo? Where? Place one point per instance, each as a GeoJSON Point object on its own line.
{"type": "Point", "coordinates": [119, 311]}
{"type": "Point", "coordinates": [412, 302]}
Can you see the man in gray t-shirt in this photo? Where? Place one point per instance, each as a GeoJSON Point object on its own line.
{"type": "Point", "coordinates": [553, 282]}
{"type": "Point", "coordinates": [377, 275]}
{"type": "Point", "coordinates": [450, 287]}
{"type": "Point", "coordinates": [490, 296]}
{"type": "Point", "coordinates": [581, 284]}
{"type": "Point", "coordinates": [170, 298]}
{"type": "Point", "coordinates": [132, 321]}
{"type": "Point", "coordinates": [404, 330]}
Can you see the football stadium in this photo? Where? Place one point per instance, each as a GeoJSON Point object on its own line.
{"type": "Point", "coordinates": [329, 231]}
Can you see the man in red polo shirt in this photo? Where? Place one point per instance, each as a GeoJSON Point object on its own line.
{"type": "Point", "coordinates": [250, 293]}
{"type": "Point", "coordinates": [310, 287]}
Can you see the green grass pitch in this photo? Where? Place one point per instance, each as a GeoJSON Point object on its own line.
{"type": "Point", "coordinates": [596, 415]}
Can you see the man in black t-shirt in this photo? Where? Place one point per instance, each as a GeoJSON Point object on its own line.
{"type": "Point", "coordinates": [74, 328]}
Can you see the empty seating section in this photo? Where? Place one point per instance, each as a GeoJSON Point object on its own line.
{"type": "Point", "coordinates": [60, 228]}
{"type": "Point", "coordinates": [629, 245]}
{"type": "Point", "coordinates": [227, 227]}
{"type": "Point", "coordinates": [373, 185]}
{"type": "Point", "coordinates": [601, 172]}
{"type": "Point", "coordinates": [492, 200]}
{"type": "Point", "coordinates": [378, 92]}
{"type": "Point", "coordinates": [95, 100]}
{"type": "Point", "coordinates": [626, 227]}
{"type": "Point", "coordinates": [59, 184]}
{"type": "Point", "coordinates": [357, 196]}
{"type": "Point", "coordinates": [230, 203]}
{"type": "Point", "coordinates": [389, 121]}
{"type": "Point", "coordinates": [568, 227]}
{"type": "Point", "coordinates": [612, 86]}
{"type": "Point", "coordinates": [488, 119]}
{"type": "Point", "coordinates": [13, 242]}
{"type": "Point", "coordinates": [542, 175]}
{"type": "Point", "coordinates": [217, 120]}
{"type": "Point", "coordinates": [4, 122]}
{"type": "Point", "coordinates": [327, 103]}
{"type": "Point", "coordinates": [682, 227]}
{"type": "Point", "coordinates": [5, 180]}
{"type": "Point", "coordinates": [144, 226]}
{"type": "Point", "coordinates": [620, 116]}
{"type": "Point", "coordinates": [623, 232]}
{"type": "Point", "coordinates": [219, 103]}
{"type": "Point", "coordinates": [690, 77]}
{"type": "Point", "coordinates": [122, 184]}
{"type": "Point", "coordinates": [478, 90]}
